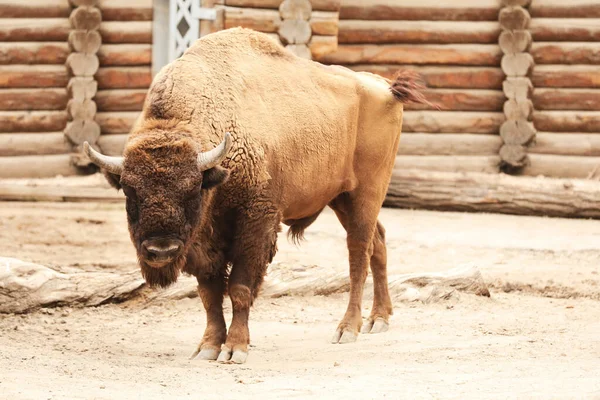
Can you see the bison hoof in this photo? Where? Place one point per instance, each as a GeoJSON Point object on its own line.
{"type": "Point", "coordinates": [207, 354]}
{"type": "Point", "coordinates": [236, 357]}
{"type": "Point", "coordinates": [342, 336]}
{"type": "Point", "coordinates": [377, 326]}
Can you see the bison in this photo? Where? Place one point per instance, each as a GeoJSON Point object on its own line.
{"type": "Point", "coordinates": [239, 135]}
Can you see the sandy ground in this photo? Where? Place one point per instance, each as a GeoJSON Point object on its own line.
{"type": "Point", "coordinates": [537, 337]}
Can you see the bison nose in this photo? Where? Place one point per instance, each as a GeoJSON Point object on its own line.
{"type": "Point", "coordinates": [161, 250]}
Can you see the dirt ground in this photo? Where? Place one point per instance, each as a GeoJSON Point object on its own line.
{"type": "Point", "coordinates": [538, 336]}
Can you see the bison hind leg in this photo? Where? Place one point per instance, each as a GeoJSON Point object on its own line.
{"type": "Point", "coordinates": [298, 226]}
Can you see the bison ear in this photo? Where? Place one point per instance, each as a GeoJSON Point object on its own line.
{"type": "Point", "coordinates": [214, 176]}
{"type": "Point", "coordinates": [113, 179]}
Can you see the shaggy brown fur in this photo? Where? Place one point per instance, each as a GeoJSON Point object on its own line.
{"type": "Point", "coordinates": [304, 136]}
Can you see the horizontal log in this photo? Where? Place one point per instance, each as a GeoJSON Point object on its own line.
{"type": "Point", "coordinates": [125, 55]}
{"type": "Point", "coordinates": [35, 9]}
{"type": "Point", "coordinates": [116, 122]}
{"type": "Point", "coordinates": [81, 110]}
{"type": "Point", "coordinates": [126, 32]}
{"type": "Point", "coordinates": [261, 20]}
{"type": "Point", "coordinates": [558, 166]}
{"type": "Point", "coordinates": [499, 193]}
{"type": "Point", "coordinates": [444, 77]}
{"type": "Point", "coordinates": [462, 100]}
{"type": "Point", "coordinates": [568, 144]}
{"type": "Point", "coordinates": [33, 53]}
{"type": "Point", "coordinates": [33, 76]}
{"type": "Point", "coordinates": [317, 5]}
{"type": "Point", "coordinates": [442, 144]}
{"type": "Point", "coordinates": [121, 99]}
{"type": "Point", "coordinates": [81, 89]}
{"type": "Point", "coordinates": [82, 130]}
{"type": "Point", "coordinates": [33, 99]}
{"type": "Point", "coordinates": [565, 9]}
{"type": "Point", "coordinates": [112, 145]}
{"type": "Point", "coordinates": [455, 54]}
{"type": "Point", "coordinates": [295, 10]}
{"type": "Point", "coordinates": [324, 23]}
{"type": "Point", "coordinates": [435, 10]}
{"type": "Point", "coordinates": [566, 76]}
{"type": "Point", "coordinates": [565, 30]}
{"type": "Point", "coordinates": [452, 122]}
{"type": "Point", "coordinates": [294, 31]}
{"type": "Point", "coordinates": [28, 144]}
{"type": "Point", "coordinates": [32, 121]}
{"type": "Point", "coordinates": [321, 45]}
{"type": "Point", "coordinates": [428, 32]}
{"type": "Point", "coordinates": [37, 166]}
{"type": "Point", "coordinates": [567, 99]}
{"type": "Point", "coordinates": [124, 78]}
{"type": "Point", "coordinates": [130, 10]}
{"type": "Point", "coordinates": [34, 29]}
{"type": "Point", "coordinates": [487, 164]}
{"type": "Point", "coordinates": [566, 53]}
{"type": "Point", "coordinates": [567, 121]}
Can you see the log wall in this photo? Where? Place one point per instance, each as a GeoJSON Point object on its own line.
{"type": "Point", "coordinates": [33, 87]}
{"type": "Point", "coordinates": [566, 88]}
{"type": "Point", "coordinates": [454, 46]}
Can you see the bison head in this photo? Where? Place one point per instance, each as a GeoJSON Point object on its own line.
{"type": "Point", "coordinates": [164, 181]}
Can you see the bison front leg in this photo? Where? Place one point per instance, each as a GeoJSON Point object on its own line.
{"type": "Point", "coordinates": [212, 291]}
{"type": "Point", "coordinates": [253, 250]}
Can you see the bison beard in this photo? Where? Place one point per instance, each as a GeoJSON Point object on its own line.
{"type": "Point", "coordinates": [162, 277]}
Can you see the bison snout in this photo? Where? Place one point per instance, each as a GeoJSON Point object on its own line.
{"type": "Point", "coordinates": [159, 252]}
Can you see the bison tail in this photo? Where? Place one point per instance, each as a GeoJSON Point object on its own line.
{"type": "Point", "coordinates": [408, 87]}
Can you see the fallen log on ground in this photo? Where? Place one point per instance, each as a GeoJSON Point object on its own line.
{"type": "Point", "coordinates": [498, 193]}
{"type": "Point", "coordinates": [26, 286]}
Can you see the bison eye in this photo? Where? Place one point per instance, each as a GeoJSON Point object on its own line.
{"type": "Point", "coordinates": [129, 192]}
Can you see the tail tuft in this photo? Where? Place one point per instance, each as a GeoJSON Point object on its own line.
{"type": "Point", "coordinates": [408, 87]}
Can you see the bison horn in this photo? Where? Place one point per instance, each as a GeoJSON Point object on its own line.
{"type": "Point", "coordinates": [114, 165]}
{"type": "Point", "coordinates": [212, 158]}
